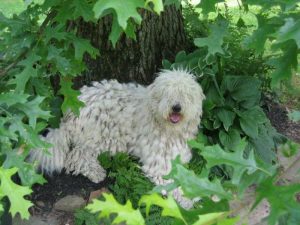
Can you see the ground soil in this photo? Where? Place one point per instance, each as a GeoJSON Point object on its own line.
{"type": "Point", "coordinates": [60, 185]}
{"type": "Point", "coordinates": [278, 115]}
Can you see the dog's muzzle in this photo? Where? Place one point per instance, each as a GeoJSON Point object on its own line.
{"type": "Point", "coordinates": [175, 115]}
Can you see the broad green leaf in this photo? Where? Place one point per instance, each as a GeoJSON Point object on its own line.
{"type": "Point", "coordinates": [33, 111]}
{"type": "Point", "coordinates": [244, 89]}
{"type": "Point", "coordinates": [102, 7]}
{"type": "Point", "coordinates": [227, 117]}
{"type": "Point", "coordinates": [216, 219]}
{"type": "Point", "coordinates": [115, 33]}
{"type": "Point", "coordinates": [251, 119]}
{"type": "Point", "coordinates": [74, 9]}
{"type": "Point", "coordinates": [125, 213]}
{"type": "Point", "coordinates": [195, 144]}
{"type": "Point", "coordinates": [285, 64]}
{"type": "Point", "coordinates": [55, 32]}
{"type": "Point", "coordinates": [207, 205]}
{"type": "Point", "coordinates": [214, 41]}
{"type": "Point", "coordinates": [168, 205]}
{"type": "Point", "coordinates": [281, 198]}
{"type": "Point", "coordinates": [61, 62]}
{"type": "Point", "coordinates": [230, 139]}
{"type": "Point", "coordinates": [15, 193]}
{"type": "Point", "coordinates": [249, 126]}
{"type": "Point", "coordinates": [29, 71]}
{"type": "Point", "coordinates": [83, 8]}
{"type": "Point", "coordinates": [26, 171]}
{"type": "Point", "coordinates": [264, 144]}
{"type": "Point", "coordinates": [194, 186]}
{"type": "Point", "coordinates": [289, 31]}
{"type": "Point", "coordinates": [208, 6]}
{"type": "Point", "coordinates": [29, 135]}
{"type": "Point", "coordinates": [215, 155]}
{"type": "Point", "coordinates": [23, 77]}
{"type": "Point", "coordinates": [71, 100]}
{"type": "Point", "coordinates": [259, 37]}
{"type": "Point", "coordinates": [12, 98]}
{"type": "Point", "coordinates": [81, 46]}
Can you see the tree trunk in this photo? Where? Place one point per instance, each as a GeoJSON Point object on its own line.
{"type": "Point", "coordinates": [158, 37]}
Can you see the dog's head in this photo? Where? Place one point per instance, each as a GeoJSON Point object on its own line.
{"type": "Point", "coordinates": [176, 98]}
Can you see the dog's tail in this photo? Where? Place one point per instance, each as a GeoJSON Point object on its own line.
{"type": "Point", "coordinates": [53, 159]}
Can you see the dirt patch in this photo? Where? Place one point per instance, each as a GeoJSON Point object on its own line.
{"type": "Point", "coordinates": [60, 185]}
{"type": "Point", "coordinates": [278, 115]}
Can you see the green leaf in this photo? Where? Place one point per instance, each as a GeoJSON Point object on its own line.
{"type": "Point", "coordinates": [102, 7]}
{"type": "Point", "coordinates": [195, 144]}
{"type": "Point", "coordinates": [285, 64]}
{"type": "Point", "coordinates": [81, 46]}
{"type": "Point", "coordinates": [230, 139]}
{"type": "Point", "coordinates": [257, 40]}
{"type": "Point", "coordinates": [29, 71]}
{"type": "Point", "coordinates": [216, 219]}
{"type": "Point", "coordinates": [264, 144]}
{"type": "Point", "coordinates": [276, 196]}
{"type": "Point", "coordinates": [168, 205]}
{"type": "Point", "coordinates": [214, 41]}
{"type": "Point", "coordinates": [194, 186]}
{"type": "Point", "coordinates": [83, 8]}
{"type": "Point", "coordinates": [15, 193]}
{"type": "Point", "coordinates": [244, 89]}
{"type": "Point", "coordinates": [115, 33]}
{"type": "Point", "coordinates": [33, 110]}
{"type": "Point", "coordinates": [251, 119]}
{"type": "Point", "coordinates": [71, 100]}
{"type": "Point", "coordinates": [26, 171]}
{"type": "Point", "coordinates": [208, 6]}
{"type": "Point", "coordinates": [55, 32]}
{"type": "Point", "coordinates": [227, 117]}
{"type": "Point", "coordinates": [215, 155]}
{"type": "Point", "coordinates": [289, 31]}
{"type": "Point", "coordinates": [61, 62]}
{"type": "Point", "coordinates": [125, 213]}
{"type": "Point", "coordinates": [12, 98]}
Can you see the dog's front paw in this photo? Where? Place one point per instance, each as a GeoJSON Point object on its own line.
{"type": "Point", "coordinates": [96, 174]}
{"type": "Point", "coordinates": [184, 202]}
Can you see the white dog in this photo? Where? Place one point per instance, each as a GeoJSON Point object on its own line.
{"type": "Point", "coordinates": [152, 123]}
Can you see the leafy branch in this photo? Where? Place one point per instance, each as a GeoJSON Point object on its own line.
{"type": "Point", "coordinates": [46, 21]}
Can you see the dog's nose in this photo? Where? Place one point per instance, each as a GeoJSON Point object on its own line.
{"type": "Point", "coordinates": [176, 108]}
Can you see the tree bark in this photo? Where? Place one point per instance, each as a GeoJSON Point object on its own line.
{"type": "Point", "coordinates": [158, 37]}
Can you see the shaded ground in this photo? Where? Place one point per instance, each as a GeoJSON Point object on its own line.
{"type": "Point", "coordinates": [62, 185]}
{"type": "Point", "coordinates": [278, 116]}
